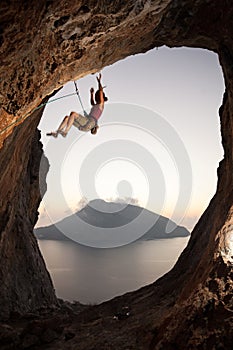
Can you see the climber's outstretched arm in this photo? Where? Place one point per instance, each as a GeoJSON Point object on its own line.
{"type": "Point", "coordinates": [100, 87]}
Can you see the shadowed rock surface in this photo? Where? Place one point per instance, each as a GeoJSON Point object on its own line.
{"type": "Point", "coordinates": [44, 44]}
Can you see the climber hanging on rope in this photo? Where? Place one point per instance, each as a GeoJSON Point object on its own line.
{"type": "Point", "coordinates": [89, 122]}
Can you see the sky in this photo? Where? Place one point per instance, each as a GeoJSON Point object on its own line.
{"type": "Point", "coordinates": [159, 142]}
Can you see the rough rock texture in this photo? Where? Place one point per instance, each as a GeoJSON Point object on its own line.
{"type": "Point", "coordinates": [43, 45]}
{"type": "Point", "coordinates": [25, 282]}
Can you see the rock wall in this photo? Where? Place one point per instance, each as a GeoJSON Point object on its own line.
{"type": "Point", "coordinates": [25, 282]}
{"type": "Point", "coordinates": [45, 44]}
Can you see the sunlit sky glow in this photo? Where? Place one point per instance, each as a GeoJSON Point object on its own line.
{"type": "Point", "coordinates": [185, 88]}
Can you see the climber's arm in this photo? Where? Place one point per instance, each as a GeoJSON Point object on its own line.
{"type": "Point", "coordinates": [100, 87]}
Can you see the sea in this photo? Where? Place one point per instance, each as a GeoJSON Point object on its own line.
{"type": "Point", "coordinates": [93, 275]}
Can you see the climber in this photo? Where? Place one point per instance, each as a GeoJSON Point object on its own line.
{"type": "Point", "coordinates": [84, 123]}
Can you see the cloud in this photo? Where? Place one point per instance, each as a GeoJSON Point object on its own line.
{"type": "Point", "coordinates": [81, 204]}
{"type": "Point", "coordinates": [128, 200]}
{"type": "Point", "coordinates": [84, 201]}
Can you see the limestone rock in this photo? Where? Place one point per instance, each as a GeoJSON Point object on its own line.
{"type": "Point", "coordinates": [25, 282]}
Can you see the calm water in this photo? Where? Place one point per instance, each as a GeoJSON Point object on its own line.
{"type": "Point", "coordinates": [92, 275]}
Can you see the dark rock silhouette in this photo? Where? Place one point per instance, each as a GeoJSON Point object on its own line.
{"type": "Point", "coordinates": [99, 213]}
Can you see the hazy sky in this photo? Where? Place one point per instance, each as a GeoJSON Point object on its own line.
{"type": "Point", "coordinates": [159, 139]}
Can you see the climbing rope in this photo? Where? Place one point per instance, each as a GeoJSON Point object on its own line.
{"type": "Point", "coordinates": [55, 99]}
{"type": "Point", "coordinates": [79, 97]}
{"type": "Point", "coordinates": [44, 104]}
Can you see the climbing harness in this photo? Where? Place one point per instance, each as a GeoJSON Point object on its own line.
{"type": "Point", "coordinates": [44, 104]}
{"type": "Point", "coordinates": [79, 97]}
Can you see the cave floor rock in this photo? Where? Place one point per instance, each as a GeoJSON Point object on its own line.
{"type": "Point", "coordinates": [207, 324]}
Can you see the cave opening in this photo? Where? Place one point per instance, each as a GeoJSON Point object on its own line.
{"type": "Point", "coordinates": [184, 86]}
{"type": "Point", "coordinates": [42, 48]}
